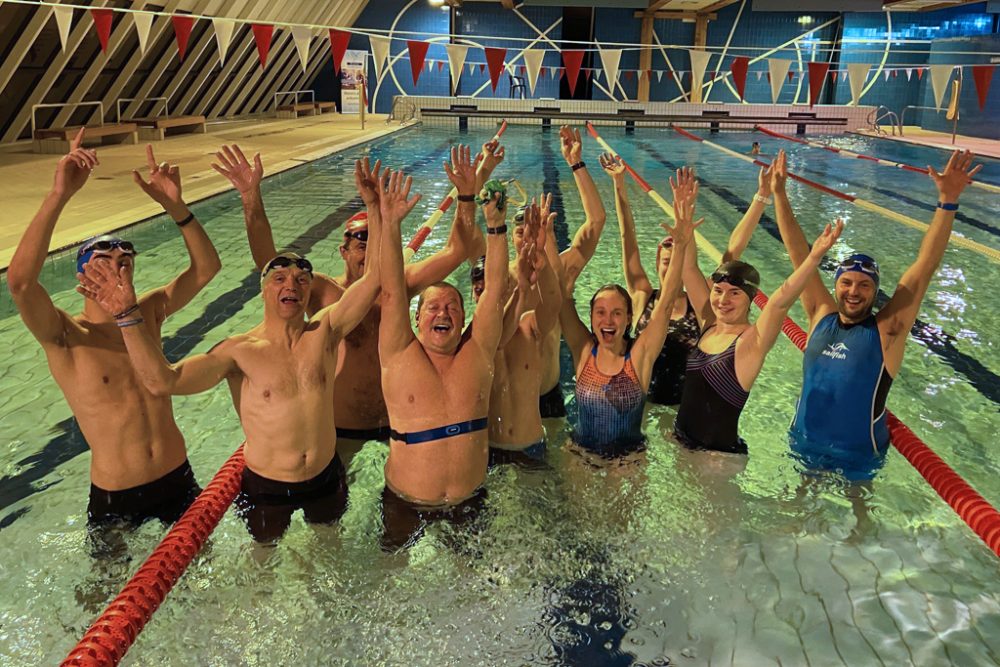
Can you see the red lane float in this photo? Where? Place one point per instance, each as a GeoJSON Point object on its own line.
{"type": "Point", "coordinates": [115, 630]}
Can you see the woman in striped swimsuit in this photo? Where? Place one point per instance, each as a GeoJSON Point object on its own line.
{"type": "Point", "coordinates": [731, 351]}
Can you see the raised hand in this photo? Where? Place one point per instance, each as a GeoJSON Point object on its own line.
{"type": "Point", "coordinates": [395, 202]}
{"type": "Point", "coordinates": [826, 239]}
{"type": "Point", "coordinates": [164, 185]}
{"type": "Point", "coordinates": [366, 179]}
{"type": "Point", "coordinates": [234, 165]}
{"type": "Point", "coordinates": [492, 155]}
{"type": "Point", "coordinates": [779, 172]}
{"type": "Point", "coordinates": [74, 168]}
{"type": "Point", "coordinates": [571, 145]}
{"type": "Point", "coordinates": [613, 167]}
{"type": "Point", "coordinates": [686, 185]}
{"type": "Point", "coordinates": [764, 181]}
{"type": "Point", "coordinates": [109, 287]}
{"type": "Point", "coordinates": [545, 211]}
{"type": "Point", "coordinates": [955, 177]}
{"type": "Point", "coordinates": [527, 264]}
{"type": "Point", "coordinates": [495, 217]}
{"type": "Point", "coordinates": [462, 171]}
{"type": "Point", "coordinates": [685, 195]}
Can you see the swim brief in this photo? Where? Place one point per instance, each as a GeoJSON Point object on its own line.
{"type": "Point", "coordinates": [403, 522]}
{"type": "Point", "coordinates": [532, 456]}
{"type": "Point", "coordinates": [551, 404]}
{"type": "Point", "coordinates": [165, 499]}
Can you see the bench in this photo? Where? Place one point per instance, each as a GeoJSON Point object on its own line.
{"type": "Point", "coordinates": [296, 110]}
{"type": "Point", "coordinates": [56, 140]}
{"type": "Point", "coordinates": [325, 107]}
{"type": "Point", "coordinates": [155, 128]}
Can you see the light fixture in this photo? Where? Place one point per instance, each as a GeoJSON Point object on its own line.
{"type": "Point", "coordinates": [436, 3]}
{"type": "Point", "coordinates": [805, 20]}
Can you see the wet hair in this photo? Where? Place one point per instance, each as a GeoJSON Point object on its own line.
{"type": "Point", "coordinates": [623, 293]}
{"type": "Point", "coordinates": [441, 285]}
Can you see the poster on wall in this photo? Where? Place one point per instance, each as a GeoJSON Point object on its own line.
{"type": "Point", "coordinates": [352, 72]}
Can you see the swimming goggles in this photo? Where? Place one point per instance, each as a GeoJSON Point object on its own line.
{"type": "Point", "coordinates": [284, 261]}
{"type": "Point", "coordinates": [361, 235]}
{"type": "Point", "coordinates": [667, 242]}
{"type": "Point", "coordinates": [736, 281]}
{"type": "Point", "coordinates": [866, 265]}
{"type": "Point", "coordinates": [107, 245]}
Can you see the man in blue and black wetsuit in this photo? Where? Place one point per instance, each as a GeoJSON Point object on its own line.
{"type": "Point", "coordinates": [853, 354]}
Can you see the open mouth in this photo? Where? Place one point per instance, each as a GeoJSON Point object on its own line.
{"type": "Point", "coordinates": [441, 327]}
{"type": "Point", "coordinates": [290, 299]}
{"type": "Point", "coordinates": [608, 334]}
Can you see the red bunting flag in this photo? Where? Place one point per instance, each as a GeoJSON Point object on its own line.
{"type": "Point", "coordinates": [587, 73]}
{"type": "Point", "coordinates": [817, 75]}
{"type": "Point", "coordinates": [102, 23]}
{"type": "Point", "coordinates": [562, 72]}
{"type": "Point", "coordinates": [572, 59]}
{"type": "Point", "coordinates": [629, 74]}
{"type": "Point", "coordinates": [440, 65]}
{"type": "Point", "coordinates": [338, 46]}
{"type": "Point", "coordinates": [418, 51]}
{"type": "Point", "coordinates": [711, 75]}
{"type": "Point", "coordinates": [769, 77]}
{"type": "Point", "coordinates": [739, 68]}
{"type": "Point", "coordinates": [649, 74]}
{"type": "Point", "coordinates": [482, 67]}
{"type": "Point", "coordinates": [791, 75]}
{"type": "Point", "coordinates": [494, 58]}
{"type": "Point", "coordinates": [833, 76]}
{"type": "Point", "coordinates": [262, 36]}
{"type": "Point", "coordinates": [543, 71]}
{"type": "Point", "coordinates": [895, 72]}
{"type": "Point", "coordinates": [182, 30]}
{"type": "Point", "coordinates": [983, 76]}
{"type": "Point", "coordinates": [920, 73]}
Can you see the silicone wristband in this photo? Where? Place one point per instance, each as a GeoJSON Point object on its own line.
{"type": "Point", "coordinates": [946, 206]}
{"type": "Point", "coordinates": [128, 311]}
{"type": "Point", "coordinates": [181, 223]}
{"type": "Point", "coordinates": [467, 198]}
{"type": "Point", "coordinates": [502, 229]}
{"type": "Point", "coordinates": [578, 166]}
{"type": "Point", "coordinates": [130, 323]}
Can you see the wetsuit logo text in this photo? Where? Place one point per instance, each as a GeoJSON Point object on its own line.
{"type": "Point", "coordinates": [836, 351]}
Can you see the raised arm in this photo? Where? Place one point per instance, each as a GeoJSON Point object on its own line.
{"type": "Point", "coordinates": [636, 279]}
{"type": "Point", "coordinates": [547, 288]}
{"type": "Point", "coordinates": [487, 322]}
{"type": "Point", "coordinates": [45, 322]}
{"type": "Point", "coordinates": [740, 238]}
{"type": "Point", "coordinates": [816, 299]}
{"type": "Point", "coordinates": [585, 241]}
{"type": "Point", "coordinates": [164, 187]}
{"type": "Point", "coordinates": [394, 332]}
{"type": "Point", "coordinates": [246, 179]}
{"type": "Point", "coordinates": [898, 316]}
{"type": "Point", "coordinates": [489, 159]}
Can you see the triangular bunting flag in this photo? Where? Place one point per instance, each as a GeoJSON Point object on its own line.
{"type": "Point", "coordinates": [659, 75]}
{"type": "Point", "coordinates": [649, 75]}
{"type": "Point", "coordinates": [223, 35]}
{"type": "Point", "coordinates": [533, 65]}
{"type": "Point", "coordinates": [909, 73]}
{"type": "Point", "coordinates": [711, 75]}
{"type": "Point", "coordinates": [302, 36]}
{"type": "Point", "coordinates": [472, 68]}
{"type": "Point", "coordinates": [102, 23]}
{"type": "Point", "coordinates": [562, 73]}
{"type": "Point", "coordinates": [143, 22]}
{"type": "Point", "coordinates": [833, 76]}
{"type": "Point", "coordinates": [843, 75]}
{"type": "Point", "coordinates": [262, 33]}
{"type": "Point", "coordinates": [554, 72]}
{"type": "Point", "coordinates": [572, 59]}
{"type": "Point", "coordinates": [857, 73]}
{"type": "Point", "coordinates": [983, 76]}
{"type": "Point", "coordinates": [699, 62]}
{"type": "Point", "coordinates": [759, 73]}
{"type": "Point", "coordinates": [522, 70]}
{"type": "Point", "coordinates": [776, 71]}
{"type": "Point", "coordinates": [817, 77]}
{"type": "Point", "coordinates": [920, 73]}
{"type": "Point", "coordinates": [418, 51]}
{"type": "Point", "coordinates": [791, 76]}
{"type": "Point", "coordinates": [587, 73]}
{"type": "Point", "coordinates": [456, 59]}
{"type": "Point", "coordinates": [769, 77]}
{"type": "Point", "coordinates": [739, 68]}
{"type": "Point", "coordinates": [939, 81]}
{"type": "Point", "coordinates": [64, 20]}
{"type": "Point", "coordinates": [482, 67]}
{"type": "Point", "coordinates": [182, 31]}
{"type": "Point", "coordinates": [339, 39]}
{"type": "Point", "coordinates": [430, 65]}
{"type": "Point", "coordinates": [380, 52]}
{"type": "Point", "coordinates": [629, 74]}
{"type": "Point", "coordinates": [894, 73]}
{"type": "Point", "coordinates": [885, 75]}
{"type": "Point", "coordinates": [610, 59]}
{"type": "Point", "coordinates": [494, 58]}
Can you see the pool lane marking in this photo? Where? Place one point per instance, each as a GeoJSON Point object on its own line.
{"type": "Point", "coordinates": [977, 513]}
{"type": "Point", "coordinates": [857, 201]}
{"type": "Point", "coordinates": [938, 341]}
{"type": "Point", "coordinates": [848, 153]}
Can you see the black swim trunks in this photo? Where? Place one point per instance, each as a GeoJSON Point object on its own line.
{"type": "Point", "coordinates": [551, 404]}
{"type": "Point", "coordinates": [531, 457]}
{"type": "Point", "coordinates": [380, 433]}
{"type": "Point", "coordinates": [267, 504]}
{"type": "Point", "coordinates": [165, 499]}
{"type": "Point", "coordinates": [403, 522]}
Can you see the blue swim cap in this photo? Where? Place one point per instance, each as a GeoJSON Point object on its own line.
{"type": "Point", "coordinates": [861, 264]}
{"type": "Point", "coordinates": [102, 243]}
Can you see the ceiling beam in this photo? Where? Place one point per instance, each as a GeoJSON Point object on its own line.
{"type": "Point", "coordinates": [507, 4]}
{"type": "Point", "coordinates": [679, 16]}
{"type": "Point", "coordinates": [945, 5]}
{"type": "Point", "coordinates": [717, 6]}
{"type": "Point", "coordinates": [654, 5]}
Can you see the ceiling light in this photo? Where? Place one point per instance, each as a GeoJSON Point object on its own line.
{"type": "Point", "coordinates": [436, 3]}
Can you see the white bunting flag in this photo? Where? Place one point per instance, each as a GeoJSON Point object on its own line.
{"type": "Point", "coordinates": [909, 73]}
{"type": "Point", "coordinates": [553, 72]}
{"type": "Point", "coordinates": [64, 19]}
{"type": "Point", "coordinates": [611, 58]}
{"type": "Point", "coordinates": [843, 75]}
{"type": "Point", "coordinates": [699, 61]}
{"type": "Point", "coordinates": [223, 36]}
{"type": "Point", "coordinates": [778, 69]}
{"type": "Point", "coordinates": [939, 81]}
{"type": "Point", "coordinates": [472, 68]}
{"type": "Point", "coordinates": [430, 64]}
{"type": "Point", "coordinates": [857, 73]}
{"type": "Point", "coordinates": [456, 59]}
{"type": "Point", "coordinates": [659, 75]}
{"type": "Point", "coordinates": [380, 51]}
{"type": "Point", "coordinates": [302, 35]}
{"type": "Point", "coordinates": [885, 75]}
{"type": "Point", "coordinates": [142, 24]}
{"type": "Point", "coordinates": [760, 73]}
{"type": "Point", "coordinates": [533, 65]}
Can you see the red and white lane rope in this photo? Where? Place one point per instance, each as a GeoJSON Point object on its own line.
{"type": "Point", "coordinates": [960, 241]}
{"type": "Point", "coordinates": [968, 504]}
{"type": "Point", "coordinates": [425, 229]}
{"type": "Point", "coordinates": [848, 153]}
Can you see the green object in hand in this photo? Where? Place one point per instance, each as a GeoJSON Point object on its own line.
{"type": "Point", "coordinates": [490, 188]}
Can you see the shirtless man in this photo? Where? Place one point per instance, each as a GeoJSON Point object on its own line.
{"type": "Point", "coordinates": [358, 399]}
{"type": "Point", "coordinates": [437, 382]}
{"type": "Point", "coordinates": [139, 468]}
{"type": "Point", "coordinates": [853, 355]}
{"type": "Point", "coordinates": [281, 375]}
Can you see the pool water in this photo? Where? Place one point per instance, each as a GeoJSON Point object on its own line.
{"type": "Point", "coordinates": [672, 558]}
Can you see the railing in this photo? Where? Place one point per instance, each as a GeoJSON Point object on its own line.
{"type": "Point", "coordinates": [36, 107]}
{"type": "Point", "coordinates": [902, 114]}
{"type": "Point", "coordinates": [880, 113]}
{"type": "Point", "coordinates": [312, 95]}
{"type": "Point", "coordinates": [409, 110]}
{"type": "Point", "coordinates": [118, 105]}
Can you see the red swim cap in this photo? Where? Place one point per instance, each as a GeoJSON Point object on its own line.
{"type": "Point", "coordinates": [356, 223]}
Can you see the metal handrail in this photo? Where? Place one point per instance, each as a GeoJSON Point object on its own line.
{"type": "Point", "coordinates": [312, 95]}
{"type": "Point", "coordinates": [36, 107]}
{"type": "Point", "coordinates": [409, 113]}
{"type": "Point", "coordinates": [902, 114]}
{"type": "Point", "coordinates": [882, 112]}
{"type": "Point", "coordinates": [118, 105]}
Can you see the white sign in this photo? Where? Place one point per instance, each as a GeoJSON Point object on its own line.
{"type": "Point", "coordinates": [352, 74]}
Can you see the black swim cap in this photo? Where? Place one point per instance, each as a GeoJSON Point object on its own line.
{"type": "Point", "coordinates": [478, 270]}
{"type": "Point", "coordinates": [738, 274]}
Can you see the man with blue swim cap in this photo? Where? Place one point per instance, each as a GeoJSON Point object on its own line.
{"type": "Point", "coordinates": [853, 354]}
{"type": "Point", "coordinates": [139, 468]}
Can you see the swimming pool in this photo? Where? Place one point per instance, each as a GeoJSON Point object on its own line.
{"type": "Point", "coordinates": [681, 557]}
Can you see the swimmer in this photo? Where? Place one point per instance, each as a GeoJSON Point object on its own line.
{"type": "Point", "coordinates": [139, 468]}
{"type": "Point", "coordinates": [359, 403]}
{"type": "Point", "coordinates": [853, 354]}
{"type": "Point", "coordinates": [755, 148]}
{"type": "Point", "coordinates": [682, 337]}
{"type": "Point", "coordinates": [613, 370]}
{"type": "Point", "coordinates": [280, 374]}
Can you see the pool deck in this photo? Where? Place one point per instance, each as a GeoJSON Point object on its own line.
{"type": "Point", "coordinates": [921, 137]}
{"type": "Point", "coordinates": [110, 200]}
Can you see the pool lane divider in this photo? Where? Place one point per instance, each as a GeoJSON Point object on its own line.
{"type": "Point", "coordinates": [967, 503]}
{"type": "Point", "coordinates": [425, 229]}
{"type": "Point", "coordinates": [961, 241]}
{"type": "Point", "coordinates": [117, 628]}
{"type": "Point", "coordinates": [847, 153]}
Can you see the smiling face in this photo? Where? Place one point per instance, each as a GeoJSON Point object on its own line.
{"type": "Point", "coordinates": [731, 305]}
{"type": "Point", "coordinates": [664, 252]}
{"type": "Point", "coordinates": [440, 316]}
{"type": "Point", "coordinates": [855, 293]}
{"type": "Point", "coordinates": [286, 292]}
{"type": "Point", "coordinates": [353, 252]}
{"type": "Point", "coordinates": [610, 316]}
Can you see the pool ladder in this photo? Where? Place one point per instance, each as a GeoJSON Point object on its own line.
{"type": "Point", "coordinates": [403, 110]}
{"type": "Point", "coordinates": [881, 113]}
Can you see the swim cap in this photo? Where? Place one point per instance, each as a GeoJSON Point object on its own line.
{"type": "Point", "coordinates": [740, 275]}
{"type": "Point", "coordinates": [284, 260]}
{"type": "Point", "coordinates": [519, 216]}
{"type": "Point", "coordinates": [861, 264]}
{"type": "Point", "coordinates": [356, 226]}
{"type": "Point", "coordinates": [102, 243]}
{"type": "Point", "coordinates": [478, 270]}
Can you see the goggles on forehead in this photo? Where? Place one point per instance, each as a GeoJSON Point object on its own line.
{"type": "Point", "coordinates": [667, 242]}
{"type": "Point", "coordinates": [858, 264]}
{"type": "Point", "coordinates": [107, 245]}
{"type": "Point", "coordinates": [285, 261]}
{"type": "Point", "coordinates": [736, 281]}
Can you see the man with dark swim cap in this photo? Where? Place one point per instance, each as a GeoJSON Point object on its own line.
{"type": "Point", "coordinates": [139, 468]}
{"type": "Point", "coordinates": [359, 404]}
{"type": "Point", "coordinates": [281, 375]}
{"type": "Point", "coordinates": [853, 354]}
